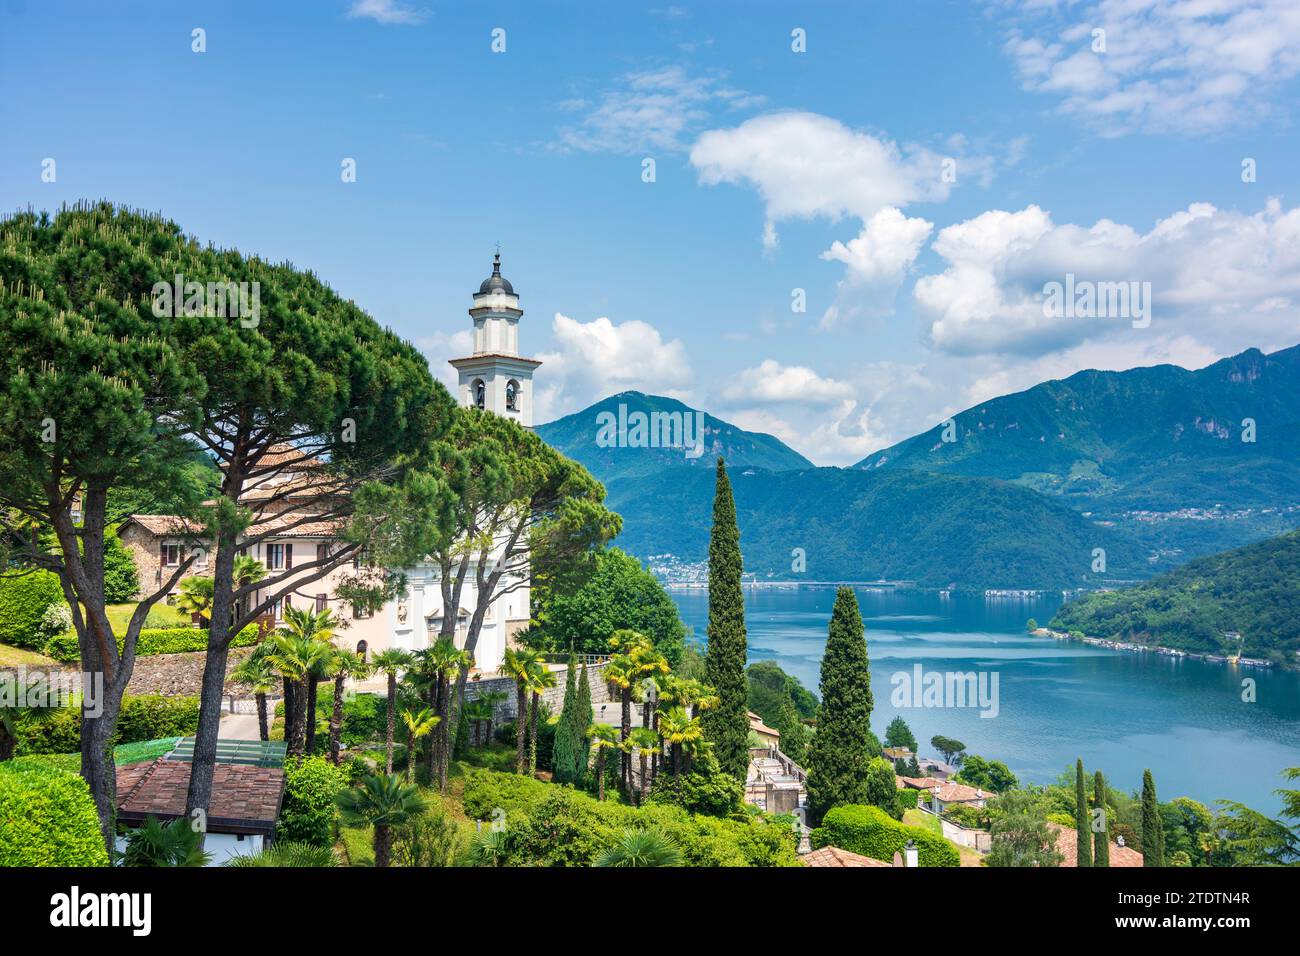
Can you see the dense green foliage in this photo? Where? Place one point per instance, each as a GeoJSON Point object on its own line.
{"type": "Point", "coordinates": [705, 790]}
{"type": "Point", "coordinates": [1101, 842]}
{"type": "Point", "coordinates": [898, 734]}
{"type": "Point", "coordinates": [162, 640]}
{"type": "Point", "coordinates": [1253, 591]}
{"type": "Point", "coordinates": [1153, 838]}
{"type": "Point", "coordinates": [1021, 836]}
{"type": "Point", "coordinates": [307, 814]}
{"type": "Point", "coordinates": [871, 832]}
{"type": "Point", "coordinates": [988, 774]}
{"type": "Point", "coordinates": [47, 818]}
{"type": "Point", "coordinates": [568, 731]}
{"type": "Point", "coordinates": [726, 726]}
{"type": "Point", "coordinates": [547, 825]}
{"type": "Point", "coordinates": [24, 599]}
{"type": "Point", "coordinates": [839, 757]}
{"type": "Point", "coordinates": [121, 580]}
{"type": "Point", "coordinates": [620, 595]}
{"type": "Point", "coordinates": [143, 717]}
{"type": "Point", "coordinates": [784, 704]}
{"type": "Point", "coordinates": [1082, 824]}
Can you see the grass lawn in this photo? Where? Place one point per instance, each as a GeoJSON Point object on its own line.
{"type": "Point", "coordinates": [21, 657]}
{"type": "Point", "coordinates": [119, 615]}
{"type": "Point", "coordinates": [926, 821]}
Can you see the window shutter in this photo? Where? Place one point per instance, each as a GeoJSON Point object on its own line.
{"type": "Point", "coordinates": [162, 555]}
{"type": "Point", "coordinates": [288, 555]}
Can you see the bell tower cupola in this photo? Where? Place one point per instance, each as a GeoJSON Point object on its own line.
{"type": "Point", "coordinates": [496, 377]}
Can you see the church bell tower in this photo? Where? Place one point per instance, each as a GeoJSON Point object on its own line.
{"type": "Point", "coordinates": [496, 377]}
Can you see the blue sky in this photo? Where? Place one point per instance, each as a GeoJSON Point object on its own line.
{"type": "Point", "coordinates": [775, 170]}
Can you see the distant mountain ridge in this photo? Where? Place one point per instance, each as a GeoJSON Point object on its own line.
{"type": "Point", "coordinates": [1154, 438]}
{"type": "Point", "coordinates": [582, 437]}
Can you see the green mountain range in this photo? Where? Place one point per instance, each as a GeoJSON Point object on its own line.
{"type": "Point", "coordinates": [585, 437]}
{"type": "Point", "coordinates": [1158, 438]}
{"type": "Point", "coordinates": [934, 530]}
{"type": "Point", "coordinates": [1251, 591]}
{"type": "Point", "coordinates": [1148, 464]}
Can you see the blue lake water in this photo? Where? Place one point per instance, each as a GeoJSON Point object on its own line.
{"type": "Point", "coordinates": [1057, 700]}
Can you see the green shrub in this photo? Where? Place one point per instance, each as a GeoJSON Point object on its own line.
{"type": "Point", "coordinates": [872, 832]}
{"type": "Point", "coordinates": [308, 812]}
{"type": "Point", "coordinates": [706, 789]}
{"type": "Point", "coordinates": [557, 826]}
{"type": "Point", "coordinates": [365, 718]}
{"type": "Point", "coordinates": [486, 790]}
{"type": "Point", "coordinates": [142, 717]}
{"type": "Point", "coordinates": [121, 580]}
{"type": "Point", "coordinates": [24, 599]}
{"type": "Point", "coordinates": [163, 640]}
{"type": "Point", "coordinates": [47, 818]}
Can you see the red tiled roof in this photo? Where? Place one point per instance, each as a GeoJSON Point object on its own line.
{"type": "Point", "coordinates": [960, 793]}
{"type": "Point", "coordinates": [916, 783]}
{"type": "Point", "coordinates": [245, 799]}
{"type": "Point", "coordinates": [834, 856]}
{"type": "Point", "coordinates": [164, 524]}
{"type": "Point", "coordinates": [1067, 844]}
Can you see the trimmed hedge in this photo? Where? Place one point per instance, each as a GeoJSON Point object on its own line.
{"type": "Point", "coordinates": [143, 717]}
{"type": "Point", "coordinates": [872, 832]}
{"type": "Point", "coordinates": [308, 812]}
{"type": "Point", "coordinates": [47, 819]}
{"type": "Point", "coordinates": [153, 640]}
{"type": "Point", "coordinates": [23, 602]}
{"type": "Point", "coordinates": [486, 790]}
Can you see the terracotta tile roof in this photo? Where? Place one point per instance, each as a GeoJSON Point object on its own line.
{"type": "Point", "coordinates": [916, 783]}
{"type": "Point", "coordinates": [164, 524]}
{"type": "Point", "coordinates": [960, 793]}
{"type": "Point", "coordinates": [245, 799]}
{"type": "Point", "coordinates": [1067, 844]}
{"type": "Point", "coordinates": [283, 453]}
{"type": "Point", "coordinates": [834, 856]}
{"type": "Point", "coordinates": [756, 724]}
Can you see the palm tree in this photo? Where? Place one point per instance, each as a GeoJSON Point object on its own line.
{"type": "Point", "coordinates": [418, 724]}
{"type": "Point", "coordinates": [319, 626]}
{"type": "Point", "coordinates": [346, 664]}
{"type": "Point", "coordinates": [382, 802]}
{"type": "Point", "coordinates": [478, 712]}
{"type": "Point", "coordinates": [23, 702]}
{"type": "Point", "coordinates": [680, 732]}
{"type": "Point", "coordinates": [255, 671]}
{"type": "Point", "coordinates": [295, 658]}
{"type": "Point", "coordinates": [490, 848]}
{"type": "Point", "coordinates": [602, 737]}
{"type": "Point", "coordinates": [519, 664]}
{"type": "Point", "coordinates": [247, 570]}
{"type": "Point", "coordinates": [442, 664]}
{"type": "Point", "coordinates": [165, 844]}
{"type": "Point", "coordinates": [643, 742]}
{"type": "Point", "coordinates": [621, 676]}
{"type": "Point", "coordinates": [287, 855]}
{"type": "Point", "coordinates": [540, 679]}
{"type": "Point", "coordinates": [495, 698]}
{"type": "Point", "coordinates": [390, 662]}
{"type": "Point", "coordinates": [638, 847]}
{"type": "Point", "coordinates": [195, 597]}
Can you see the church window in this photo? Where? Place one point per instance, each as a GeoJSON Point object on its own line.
{"type": "Point", "coordinates": [512, 395]}
{"type": "Point", "coordinates": [480, 393]}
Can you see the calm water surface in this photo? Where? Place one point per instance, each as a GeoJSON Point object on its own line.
{"type": "Point", "coordinates": [1120, 711]}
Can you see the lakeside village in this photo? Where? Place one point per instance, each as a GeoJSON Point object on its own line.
{"type": "Point", "coordinates": [254, 677]}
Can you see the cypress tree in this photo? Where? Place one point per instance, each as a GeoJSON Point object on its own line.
{"type": "Point", "coordinates": [1101, 844]}
{"type": "Point", "coordinates": [727, 725]}
{"type": "Point", "coordinates": [582, 718]}
{"type": "Point", "coordinates": [839, 756]}
{"type": "Point", "coordinates": [1082, 825]}
{"type": "Point", "coordinates": [1153, 837]}
{"type": "Point", "coordinates": [564, 750]}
